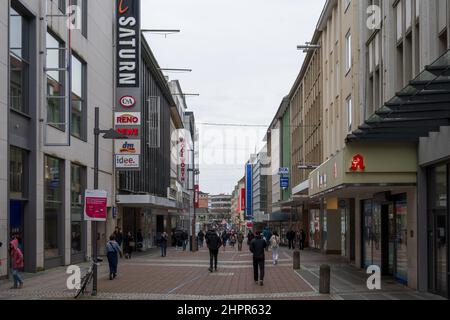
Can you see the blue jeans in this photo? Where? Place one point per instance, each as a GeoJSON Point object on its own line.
{"type": "Point", "coordinates": [16, 276]}
{"type": "Point", "coordinates": [113, 261]}
{"type": "Point", "coordinates": [163, 250]}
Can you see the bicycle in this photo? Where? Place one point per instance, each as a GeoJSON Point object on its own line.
{"type": "Point", "coordinates": [87, 278]}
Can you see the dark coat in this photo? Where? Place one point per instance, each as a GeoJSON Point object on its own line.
{"type": "Point", "coordinates": [213, 240]}
{"type": "Point", "coordinates": [257, 247]}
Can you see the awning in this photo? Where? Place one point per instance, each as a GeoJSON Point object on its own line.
{"type": "Point", "coordinates": [134, 200]}
{"type": "Point", "coordinates": [420, 108]}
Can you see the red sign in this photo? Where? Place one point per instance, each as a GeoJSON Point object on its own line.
{"type": "Point", "coordinates": [128, 132]}
{"type": "Point", "coordinates": [242, 200]}
{"type": "Point", "coordinates": [95, 205]}
{"type": "Point", "coordinates": [127, 102]}
{"type": "Point", "coordinates": [196, 196]}
{"type": "Point", "coordinates": [128, 119]}
{"type": "Point", "coordinates": [358, 163]}
{"type": "Point", "coordinates": [183, 160]}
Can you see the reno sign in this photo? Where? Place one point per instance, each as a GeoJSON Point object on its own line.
{"type": "Point", "coordinates": [128, 106]}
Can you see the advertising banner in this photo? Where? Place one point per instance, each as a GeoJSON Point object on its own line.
{"type": "Point", "coordinates": [95, 205]}
{"type": "Point", "coordinates": [196, 196]}
{"type": "Point", "coordinates": [128, 106]}
{"type": "Point", "coordinates": [249, 190]}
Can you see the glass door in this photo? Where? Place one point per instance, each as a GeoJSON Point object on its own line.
{"type": "Point", "coordinates": [441, 254]}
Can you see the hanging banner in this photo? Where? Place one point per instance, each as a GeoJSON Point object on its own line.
{"type": "Point", "coordinates": [95, 205]}
{"type": "Point", "coordinates": [249, 190]}
{"type": "Point", "coordinates": [196, 196]}
{"type": "Point", "coordinates": [128, 106]}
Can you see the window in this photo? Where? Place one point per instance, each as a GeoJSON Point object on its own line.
{"type": "Point", "coordinates": [349, 114]}
{"type": "Point", "coordinates": [399, 15]}
{"type": "Point", "coordinates": [77, 187]}
{"type": "Point", "coordinates": [408, 14]}
{"type": "Point", "coordinates": [17, 167]}
{"type": "Point", "coordinates": [53, 198]}
{"type": "Point", "coordinates": [348, 52]}
{"type": "Point", "coordinates": [82, 5]}
{"type": "Point", "coordinates": [78, 126]}
{"type": "Point", "coordinates": [55, 82]}
{"type": "Point", "coordinates": [19, 62]}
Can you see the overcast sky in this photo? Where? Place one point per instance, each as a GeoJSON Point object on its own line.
{"type": "Point", "coordinates": [244, 60]}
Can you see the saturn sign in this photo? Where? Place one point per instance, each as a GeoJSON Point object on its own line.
{"type": "Point", "coordinates": [127, 101]}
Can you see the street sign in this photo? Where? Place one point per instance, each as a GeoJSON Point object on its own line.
{"type": "Point", "coordinates": [284, 182]}
{"type": "Point", "coordinates": [95, 205]}
{"type": "Point", "coordinates": [283, 171]}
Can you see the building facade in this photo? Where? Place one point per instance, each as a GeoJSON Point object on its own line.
{"type": "Point", "coordinates": [47, 139]}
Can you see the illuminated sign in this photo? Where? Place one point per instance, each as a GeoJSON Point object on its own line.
{"type": "Point", "coordinates": [182, 160]}
{"type": "Point", "coordinates": [127, 101]}
{"type": "Point", "coordinates": [130, 118]}
{"type": "Point", "coordinates": [127, 162]}
{"type": "Point", "coordinates": [128, 132]}
{"type": "Point", "coordinates": [358, 163]}
{"type": "Point", "coordinates": [128, 43]}
{"type": "Point", "coordinates": [132, 147]}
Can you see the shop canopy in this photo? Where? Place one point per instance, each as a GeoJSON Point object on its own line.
{"type": "Point", "coordinates": [420, 108]}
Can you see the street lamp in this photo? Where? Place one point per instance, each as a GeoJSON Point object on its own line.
{"type": "Point", "coordinates": [110, 134]}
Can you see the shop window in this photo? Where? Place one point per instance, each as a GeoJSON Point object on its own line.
{"type": "Point", "coordinates": [77, 188]}
{"type": "Point", "coordinates": [17, 167]}
{"type": "Point", "coordinates": [53, 196]}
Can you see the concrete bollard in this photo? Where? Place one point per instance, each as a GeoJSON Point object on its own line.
{"type": "Point", "coordinates": [296, 259]}
{"type": "Point", "coordinates": [325, 278]}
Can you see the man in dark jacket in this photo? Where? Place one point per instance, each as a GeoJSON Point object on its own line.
{"type": "Point", "coordinates": [257, 247]}
{"type": "Point", "coordinates": [290, 236]}
{"type": "Point", "coordinates": [213, 241]}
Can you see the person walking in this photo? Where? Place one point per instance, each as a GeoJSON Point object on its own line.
{"type": "Point", "coordinates": [240, 240]}
{"type": "Point", "coordinates": [302, 239]}
{"type": "Point", "coordinates": [224, 239]}
{"type": "Point", "coordinates": [257, 247]}
{"type": "Point", "coordinates": [16, 263]}
{"type": "Point", "coordinates": [112, 253]}
{"type": "Point", "coordinates": [250, 237]}
{"type": "Point", "coordinates": [290, 237]}
{"type": "Point", "coordinates": [185, 238]}
{"type": "Point", "coordinates": [201, 238]}
{"type": "Point", "coordinates": [163, 243]}
{"type": "Point", "coordinates": [275, 245]}
{"type": "Point", "coordinates": [129, 245]}
{"type": "Point", "coordinates": [232, 240]}
{"type": "Point", "coordinates": [178, 239]}
{"type": "Point", "coordinates": [119, 239]}
{"type": "Point", "coordinates": [213, 241]}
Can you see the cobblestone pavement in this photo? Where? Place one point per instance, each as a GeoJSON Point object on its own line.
{"type": "Point", "coordinates": [185, 276]}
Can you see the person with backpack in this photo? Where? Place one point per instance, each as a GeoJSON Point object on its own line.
{"type": "Point", "coordinates": [275, 245]}
{"type": "Point", "coordinates": [17, 263]}
{"type": "Point", "coordinates": [112, 253]}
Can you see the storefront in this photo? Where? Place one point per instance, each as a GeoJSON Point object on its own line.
{"type": "Point", "coordinates": [368, 207]}
{"type": "Point", "coordinates": [434, 213]}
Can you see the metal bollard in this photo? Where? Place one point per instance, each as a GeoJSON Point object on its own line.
{"type": "Point", "coordinates": [296, 259]}
{"type": "Point", "coordinates": [325, 278]}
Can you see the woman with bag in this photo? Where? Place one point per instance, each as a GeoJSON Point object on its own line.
{"type": "Point", "coordinates": [275, 245]}
{"type": "Point", "coordinates": [129, 244]}
{"type": "Point", "coordinates": [112, 252]}
{"type": "Point", "coordinates": [17, 263]}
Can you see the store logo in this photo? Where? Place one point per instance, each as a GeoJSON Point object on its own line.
{"type": "Point", "coordinates": [374, 281]}
{"type": "Point", "coordinates": [127, 161]}
{"type": "Point", "coordinates": [122, 10]}
{"type": "Point", "coordinates": [127, 102]}
{"type": "Point", "coordinates": [74, 280]}
{"type": "Point", "coordinates": [128, 148]}
{"type": "Point", "coordinates": [131, 118]}
{"type": "Point", "coordinates": [358, 163]}
{"type": "Point", "coordinates": [128, 132]}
